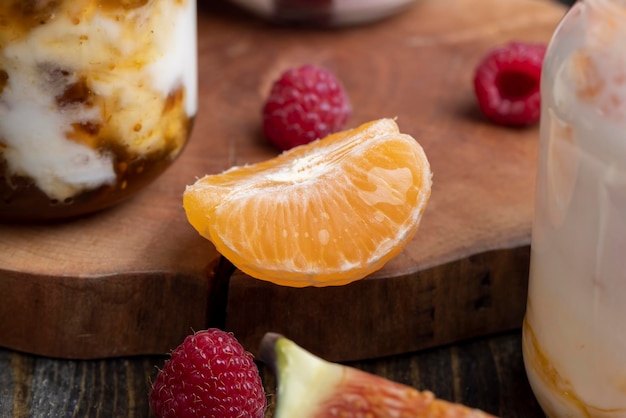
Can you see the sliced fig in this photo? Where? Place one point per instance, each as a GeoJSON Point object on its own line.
{"type": "Point", "coordinates": [311, 387]}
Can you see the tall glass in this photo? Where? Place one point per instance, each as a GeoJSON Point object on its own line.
{"type": "Point", "coordinates": [97, 99]}
{"type": "Point", "coordinates": [574, 334]}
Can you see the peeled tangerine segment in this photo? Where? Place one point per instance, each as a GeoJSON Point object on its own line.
{"type": "Point", "coordinates": [326, 213]}
{"type": "Point", "coordinates": [310, 387]}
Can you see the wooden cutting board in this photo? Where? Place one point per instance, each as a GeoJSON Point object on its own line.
{"type": "Point", "coordinates": [137, 278]}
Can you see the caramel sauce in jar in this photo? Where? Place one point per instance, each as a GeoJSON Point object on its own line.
{"type": "Point", "coordinates": [97, 99]}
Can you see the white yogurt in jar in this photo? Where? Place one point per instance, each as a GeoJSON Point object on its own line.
{"type": "Point", "coordinates": [96, 78]}
{"type": "Point", "coordinates": [575, 329]}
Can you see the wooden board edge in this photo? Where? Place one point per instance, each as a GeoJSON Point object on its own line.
{"type": "Point", "coordinates": [476, 296]}
{"type": "Point", "coordinates": [104, 317]}
{"type": "Point", "coordinates": [76, 318]}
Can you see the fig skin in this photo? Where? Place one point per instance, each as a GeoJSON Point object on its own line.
{"type": "Point", "coordinates": [310, 387]}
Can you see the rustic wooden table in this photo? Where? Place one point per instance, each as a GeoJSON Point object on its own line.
{"type": "Point", "coordinates": [486, 373]}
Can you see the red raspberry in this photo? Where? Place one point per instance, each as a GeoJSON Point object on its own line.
{"type": "Point", "coordinates": [209, 375]}
{"type": "Point", "coordinates": [506, 83]}
{"type": "Point", "coordinates": [306, 103]}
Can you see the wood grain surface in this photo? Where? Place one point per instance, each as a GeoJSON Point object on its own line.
{"type": "Point", "coordinates": [484, 373]}
{"type": "Point", "coordinates": [137, 278]}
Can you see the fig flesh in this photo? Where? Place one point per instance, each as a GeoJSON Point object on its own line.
{"type": "Point", "coordinates": [311, 387]}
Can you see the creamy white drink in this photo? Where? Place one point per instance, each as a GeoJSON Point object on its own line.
{"type": "Point", "coordinates": [96, 100]}
{"type": "Point", "coordinates": [574, 335]}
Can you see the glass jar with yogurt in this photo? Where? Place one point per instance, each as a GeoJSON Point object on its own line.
{"type": "Point", "coordinates": [574, 333]}
{"type": "Point", "coordinates": [97, 98]}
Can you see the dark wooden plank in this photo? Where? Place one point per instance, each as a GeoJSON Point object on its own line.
{"type": "Point", "coordinates": [485, 373]}
{"type": "Point", "coordinates": [42, 387]}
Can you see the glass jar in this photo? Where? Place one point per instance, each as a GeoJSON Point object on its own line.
{"type": "Point", "coordinates": [324, 12]}
{"type": "Point", "coordinates": [97, 98]}
{"type": "Point", "coordinates": [574, 333]}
